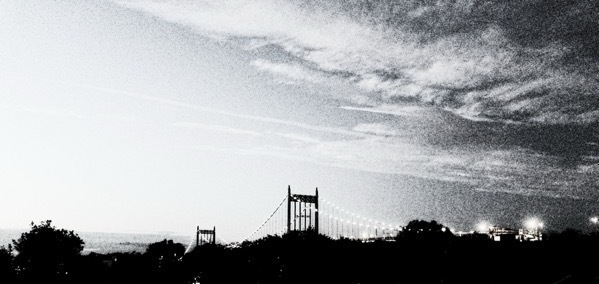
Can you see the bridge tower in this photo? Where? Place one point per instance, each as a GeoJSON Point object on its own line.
{"type": "Point", "coordinates": [301, 215]}
{"type": "Point", "coordinates": [205, 236]}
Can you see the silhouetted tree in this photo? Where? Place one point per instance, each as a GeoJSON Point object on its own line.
{"type": "Point", "coordinates": [425, 252]}
{"type": "Point", "coordinates": [423, 230]}
{"type": "Point", "coordinates": [6, 265]}
{"type": "Point", "coordinates": [165, 257]}
{"type": "Point", "coordinates": [426, 245]}
{"type": "Point", "coordinates": [166, 250]}
{"type": "Point", "coordinates": [46, 253]}
{"type": "Point", "coordinates": [569, 235]}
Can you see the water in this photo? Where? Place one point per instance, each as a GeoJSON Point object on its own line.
{"type": "Point", "coordinates": [107, 242]}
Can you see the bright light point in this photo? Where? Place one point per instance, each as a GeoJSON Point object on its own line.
{"type": "Point", "coordinates": [594, 220]}
{"type": "Point", "coordinates": [483, 227]}
{"type": "Point", "coordinates": [443, 229]}
{"type": "Point", "coordinates": [533, 223]}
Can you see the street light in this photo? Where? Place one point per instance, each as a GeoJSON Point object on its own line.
{"type": "Point", "coordinates": [534, 225]}
{"type": "Point", "coordinates": [483, 227]}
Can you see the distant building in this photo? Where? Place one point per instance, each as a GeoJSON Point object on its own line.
{"type": "Point", "coordinates": [500, 234]}
{"type": "Point", "coordinates": [530, 235]}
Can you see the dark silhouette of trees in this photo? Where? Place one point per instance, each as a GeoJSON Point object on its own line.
{"type": "Point", "coordinates": [7, 274]}
{"type": "Point", "coordinates": [166, 251]}
{"type": "Point", "coordinates": [425, 244]}
{"type": "Point", "coordinates": [165, 258]}
{"type": "Point", "coordinates": [424, 230]}
{"type": "Point", "coordinates": [47, 254]}
{"type": "Point", "coordinates": [424, 252]}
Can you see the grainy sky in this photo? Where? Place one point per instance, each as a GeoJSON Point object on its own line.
{"type": "Point", "coordinates": [146, 116]}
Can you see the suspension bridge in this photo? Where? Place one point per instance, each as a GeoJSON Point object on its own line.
{"type": "Point", "coordinates": [299, 212]}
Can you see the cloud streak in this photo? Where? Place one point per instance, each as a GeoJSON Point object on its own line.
{"type": "Point", "coordinates": [529, 62]}
{"type": "Point", "coordinates": [217, 128]}
{"type": "Point", "coordinates": [480, 59]}
{"type": "Point", "coordinates": [295, 72]}
{"type": "Point", "coordinates": [378, 129]}
{"type": "Point", "coordinates": [384, 148]}
{"type": "Point", "coordinates": [407, 111]}
{"type": "Point", "coordinates": [515, 171]}
{"type": "Point", "coordinates": [181, 104]}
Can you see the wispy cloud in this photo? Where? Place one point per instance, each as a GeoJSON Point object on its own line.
{"type": "Point", "coordinates": [514, 171]}
{"type": "Point", "coordinates": [390, 109]}
{"type": "Point", "coordinates": [386, 149]}
{"type": "Point", "coordinates": [217, 128]}
{"type": "Point", "coordinates": [182, 104]}
{"type": "Point", "coordinates": [295, 73]}
{"type": "Point", "coordinates": [489, 60]}
{"type": "Point", "coordinates": [378, 129]}
{"type": "Point", "coordinates": [300, 138]}
{"type": "Point", "coordinates": [481, 60]}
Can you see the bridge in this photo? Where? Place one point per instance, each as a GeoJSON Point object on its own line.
{"type": "Point", "coordinates": [299, 212]}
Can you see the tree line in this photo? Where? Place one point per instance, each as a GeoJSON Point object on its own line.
{"type": "Point", "coordinates": [424, 252]}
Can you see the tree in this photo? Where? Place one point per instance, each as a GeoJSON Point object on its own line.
{"type": "Point", "coordinates": [6, 268]}
{"type": "Point", "coordinates": [426, 245]}
{"type": "Point", "coordinates": [166, 261]}
{"type": "Point", "coordinates": [46, 253]}
{"type": "Point", "coordinates": [166, 251]}
{"type": "Point", "coordinates": [423, 230]}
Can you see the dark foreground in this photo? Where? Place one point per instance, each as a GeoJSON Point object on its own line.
{"type": "Point", "coordinates": [415, 256]}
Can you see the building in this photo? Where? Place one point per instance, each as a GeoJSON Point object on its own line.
{"type": "Point", "coordinates": [500, 234]}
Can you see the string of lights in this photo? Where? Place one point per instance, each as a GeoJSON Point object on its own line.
{"type": "Point", "coordinates": [267, 220]}
{"type": "Point", "coordinates": [336, 222]}
{"type": "Point", "coordinates": [340, 222]}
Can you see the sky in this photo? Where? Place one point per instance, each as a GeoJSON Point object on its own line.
{"type": "Point", "coordinates": [158, 116]}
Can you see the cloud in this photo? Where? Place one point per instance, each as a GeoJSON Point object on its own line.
{"type": "Point", "coordinates": [378, 129]}
{"type": "Point", "coordinates": [300, 138]}
{"type": "Point", "coordinates": [374, 154]}
{"type": "Point", "coordinates": [295, 72]}
{"type": "Point", "coordinates": [390, 149]}
{"type": "Point", "coordinates": [185, 105]}
{"type": "Point", "coordinates": [524, 61]}
{"type": "Point", "coordinates": [217, 128]}
{"type": "Point", "coordinates": [515, 61]}
{"type": "Point", "coordinates": [515, 171]}
{"type": "Point", "coordinates": [411, 111]}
